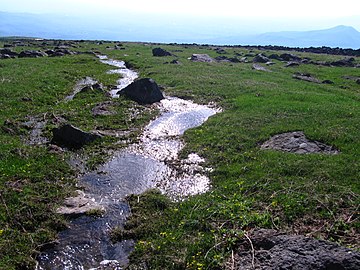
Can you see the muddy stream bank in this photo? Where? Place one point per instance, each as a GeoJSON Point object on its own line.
{"type": "Point", "coordinates": [153, 162]}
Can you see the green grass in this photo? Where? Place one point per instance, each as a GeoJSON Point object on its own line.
{"type": "Point", "coordinates": [34, 181]}
{"type": "Point", "coordinates": [251, 188]}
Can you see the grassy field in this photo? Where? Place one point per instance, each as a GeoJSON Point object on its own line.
{"type": "Point", "coordinates": [316, 195]}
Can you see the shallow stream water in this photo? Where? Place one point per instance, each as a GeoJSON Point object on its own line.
{"type": "Point", "coordinates": [153, 162]}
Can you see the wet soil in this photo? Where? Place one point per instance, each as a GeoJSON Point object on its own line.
{"type": "Point", "coordinates": [153, 162]}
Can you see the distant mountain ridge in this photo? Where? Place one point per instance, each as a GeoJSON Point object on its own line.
{"type": "Point", "coordinates": [339, 36]}
{"type": "Point", "coordinates": [128, 29]}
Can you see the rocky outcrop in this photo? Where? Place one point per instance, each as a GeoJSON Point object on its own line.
{"type": "Point", "coordinates": [72, 137]}
{"type": "Point", "coordinates": [273, 250]}
{"type": "Point", "coordinates": [296, 142]}
{"type": "Point", "coordinates": [306, 77]}
{"type": "Point", "coordinates": [260, 58]}
{"type": "Point", "coordinates": [260, 68]}
{"type": "Point", "coordinates": [224, 58]}
{"type": "Point", "coordinates": [160, 52]}
{"type": "Point", "coordinates": [7, 53]}
{"type": "Point", "coordinates": [32, 54]}
{"type": "Point", "coordinates": [220, 50]}
{"type": "Point", "coordinates": [347, 62]}
{"type": "Point", "coordinates": [79, 205]}
{"type": "Point", "coordinates": [290, 57]}
{"type": "Point", "coordinates": [292, 64]}
{"type": "Point", "coordinates": [201, 58]}
{"type": "Point", "coordinates": [143, 91]}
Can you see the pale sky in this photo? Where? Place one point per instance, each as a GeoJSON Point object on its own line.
{"type": "Point", "coordinates": [204, 8]}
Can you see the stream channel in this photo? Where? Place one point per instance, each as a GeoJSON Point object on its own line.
{"type": "Point", "coordinates": [153, 162]}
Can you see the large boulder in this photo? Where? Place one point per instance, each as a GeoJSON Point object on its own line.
{"type": "Point", "coordinates": [160, 52]}
{"type": "Point", "coordinates": [296, 142]}
{"type": "Point", "coordinates": [143, 91]}
{"type": "Point", "coordinates": [72, 137]}
{"type": "Point", "coordinates": [201, 58]}
{"type": "Point", "coordinates": [270, 249]}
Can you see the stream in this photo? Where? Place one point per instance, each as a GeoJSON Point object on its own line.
{"type": "Point", "coordinates": [153, 162]}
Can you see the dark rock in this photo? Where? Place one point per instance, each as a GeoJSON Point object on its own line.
{"type": "Point", "coordinates": [292, 64]}
{"type": "Point", "coordinates": [296, 142]}
{"type": "Point", "coordinates": [290, 57]}
{"type": "Point", "coordinates": [143, 91]}
{"type": "Point", "coordinates": [8, 52]}
{"type": "Point", "coordinates": [227, 59]}
{"type": "Point", "coordinates": [305, 61]}
{"type": "Point", "coordinates": [175, 62]}
{"type": "Point", "coordinates": [160, 52]}
{"type": "Point", "coordinates": [260, 58]}
{"type": "Point", "coordinates": [7, 45]}
{"type": "Point", "coordinates": [32, 54]}
{"type": "Point", "coordinates": [280, 251]}
{"type": "Point", "coordinates": [358, 81]}
{"type": "Point", "coordinates": [201, 58]}
{"type": "Point", "coordinates": [327, 82]}
{"type": "Point", "coordinates": [220, 51]}
{"type": "Point", "coordinates": [347, 62]}
{"type": "Point", "coordinates": [5, 56]}
{"type": "Point", "coordinates": [306, 77]}
{"type": "Point", "coordinates": [70, 136]}
{"type": "Point", "coordinates": [275, 56]}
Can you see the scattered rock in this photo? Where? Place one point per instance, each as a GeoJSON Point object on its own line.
{"type": "Point", "coordinates": [274, 250]}
{"type": "Point", "coordinates": [143, 91]}
{"type": "Point", "coordinates": [296, 142]}
{"type": "Point", "coordinates": [227, 59]}
{"type": "Point", "coordinates": [201, 58]}
{"type": "Point", "coordinates": [260, 58]}
{"type": "Point", "coordinates": [290, 57]}
{"type": "Point", "coordinates": [292, 64]}
{"type": "Point", "coordinates": [220, 51]}
{"type": "Point", "coordinates": [8, 52]}
{"type": "Point", "coordinates": [109, 265]}
{"type": "Point", "coordinates": [275, 56]}
{"type": "Point", "coordinates": [103, 109]}
{"type": "Point", "coordinates": [175, 62]}
{"type": "Point", "coordinates": [260, 68]}
{"type": "Point", "coordinates": [79, 205]}
{"type": "Point", "coordinates": [160, 52]}
{"type": "Point", "coordinates": [32, 54]}
{"type": "Point", "coordinates": [327, 82]}
{"type": "Point", "coordinates": [306, 77]}
{"type": "Point", "coordinates": [90, 87]}
{"type": "Point", "coordinates": [72, 137]}
{"type": "Point", "coordinates": [269, 63]}
{"type": "Point", "coordinates": [347, 62]}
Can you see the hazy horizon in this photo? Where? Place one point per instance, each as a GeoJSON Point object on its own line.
{"type": "Point", "coordinates": [176, 21]}
{"type": "Point", "coordinates": [261, 16]}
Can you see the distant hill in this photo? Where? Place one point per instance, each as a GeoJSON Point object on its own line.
{"type": "Point", "coordinates": [130, 28]}
{"type": "Point", "coordinates": [339, 36]}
